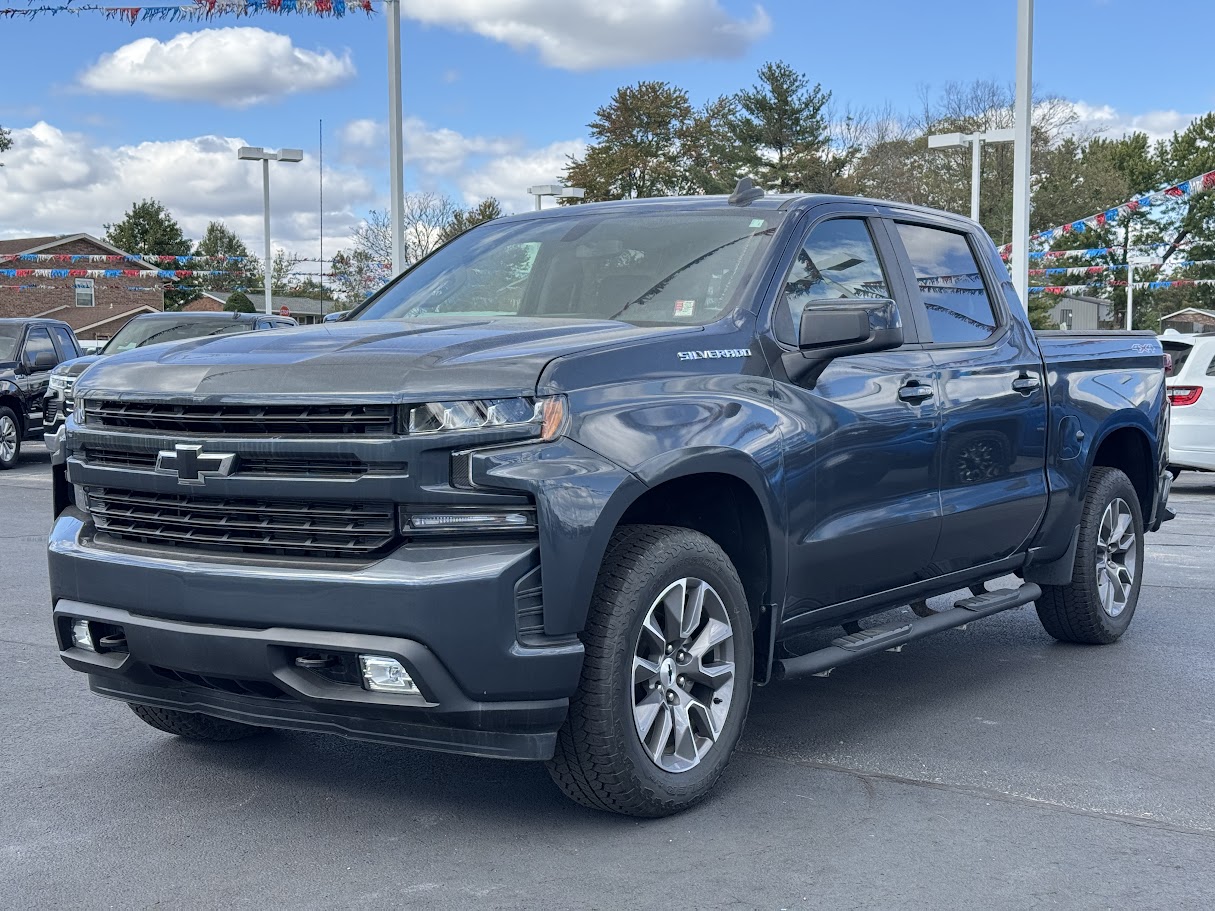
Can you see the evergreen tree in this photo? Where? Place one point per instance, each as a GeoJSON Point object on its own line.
{"type": "Point", "coordinates": [782, 131]}
{"type": "Point", "coordinates": [218, 247]}
{"type": "Point", "coordinates": [149, 229]}
{"type": "Point", "coordinates": [485, 210]}
{"type": "Point", "coordinates": [238, 302]}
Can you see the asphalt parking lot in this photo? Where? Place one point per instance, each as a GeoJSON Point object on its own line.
{"type": "Point", "coordinates": [983, 768]}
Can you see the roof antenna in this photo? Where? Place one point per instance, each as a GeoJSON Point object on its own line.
{"type": "Point", "coordinates": [746, 192]}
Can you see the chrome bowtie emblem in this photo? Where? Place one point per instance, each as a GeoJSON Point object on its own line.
{"type": "Point", "coordinates": [192, 465]}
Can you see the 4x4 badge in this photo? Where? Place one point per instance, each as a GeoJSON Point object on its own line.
{"type": "Point", "coordinates": [192, 465]}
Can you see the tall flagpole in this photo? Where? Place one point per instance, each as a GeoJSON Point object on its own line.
{"type": "Point", "coordinates": [1022, 125]}
{"type": "Point", "coordinates": [396, 139]}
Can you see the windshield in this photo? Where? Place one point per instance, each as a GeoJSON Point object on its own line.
{"type": "Point", "coordinates": [140, 332]}
{"type": "Point", "coordinates": [9, 336]}
{"type": "Point", "coordinates": [683, 268]}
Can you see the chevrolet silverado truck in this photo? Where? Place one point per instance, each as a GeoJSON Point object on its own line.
{"type": "Point", "coordinates": [29, 350]}
{"type": "Point", "coordinates": [570, 487]}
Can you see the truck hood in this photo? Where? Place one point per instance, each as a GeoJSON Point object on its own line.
{"type": "Point", "coordinates": [364, 360]}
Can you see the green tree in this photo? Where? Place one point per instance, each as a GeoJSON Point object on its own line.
{"type": "Point", "coordinates": [149, 229]}
{"type": "Point", "coordinates": [6, 141]}
{"type": "Point", "coordinates": [485, 210]}
{"type": "Point", "coordinates": [219, 245]}
{"type": "Point", "coordinates": [782, 131]}
{"type": "Point", "coordinates": [637, 145]}
{"type": "Point", "coordinates": [238, 302]}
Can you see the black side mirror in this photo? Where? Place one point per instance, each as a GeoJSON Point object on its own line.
{"type": "Point", "coordinates": [43, 360]}
{"type": "Point", "coordinates": [843, 327]}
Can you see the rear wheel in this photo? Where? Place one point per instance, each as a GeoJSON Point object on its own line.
{"type": "Point", "coordinates": [10, 438]}
{"type": "Point", "coordinates": [1096, 607]}
{"type": "Point", "coordinates": [666, 681]}
{"type": "Point", "coordinates": [193, 725]}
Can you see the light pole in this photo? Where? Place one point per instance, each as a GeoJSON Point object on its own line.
{"type": "Point", "coordinates": [557, 190]}
{"type": "Point", "coordinates": [257, 153]}
{"type": "Point", "coordinates": [1022, 124]}
{"type": "Point", "coordinates": [976, 141]}
{"type": "Point", "coordinates": [396, 136]}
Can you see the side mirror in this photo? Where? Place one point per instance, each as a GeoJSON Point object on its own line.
{"type": "Point", "coordinates": [43, 360]}
{"type": "Point", "coordinates": [334, 316]}
{"type": "Point", "coordinates": [844, 327]}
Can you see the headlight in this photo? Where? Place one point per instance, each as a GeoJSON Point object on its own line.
{"type": "Point", "coordinates": [548, 414]}
{"type": "Point", "coordinates": [78, 410]}
{"type": "Point", "coordinates": [62, 383]}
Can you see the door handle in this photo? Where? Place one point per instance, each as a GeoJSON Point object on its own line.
{"type": "Point", "coordinates": [1026, 384]}
{"type": "Point", "coordinates": [915, 392]}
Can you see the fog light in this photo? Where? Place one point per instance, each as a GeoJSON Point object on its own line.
{"type": "Point", "coordinates": [386, 675]}
{"type": "Point", "coordinates": [81, 636]}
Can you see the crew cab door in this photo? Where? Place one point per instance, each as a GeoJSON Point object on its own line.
{"type": "Point", "coordinates": [860, 439]}
{"type": "Point", "coordinates": [992, 397]}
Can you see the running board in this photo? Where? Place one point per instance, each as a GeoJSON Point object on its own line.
{"type": "Point", "coordinates": [893, 638]}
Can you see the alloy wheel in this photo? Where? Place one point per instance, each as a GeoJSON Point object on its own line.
{"type": "Point", "coordinates": [8, 438]}
{"type": "Point", "coordinates": [1117, 557]}
{"type": "Point", "coordinates": [683, 674]}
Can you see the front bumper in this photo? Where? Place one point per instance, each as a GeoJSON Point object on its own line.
{"type": "Point", "coordinates": [448, 612]}
{"type": "Point", "coordinates": [250, 676]}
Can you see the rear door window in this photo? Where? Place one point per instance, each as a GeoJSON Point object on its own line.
{"type": "Point", "coordinates": [67, 344]}
{"type": "Point", "coordinates": [1180, 352]}
{"type": "Point", "coordinates": [950, 283]}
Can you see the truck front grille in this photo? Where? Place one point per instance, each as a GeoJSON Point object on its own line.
{"type": "Point", "coordinates": [243, 420]}
{"type": "Point", "coordinates": [295, 467]}
{"type": "Point", "coordinates": [244, 525]}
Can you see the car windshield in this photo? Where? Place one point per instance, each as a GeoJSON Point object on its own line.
{"type": "Point", "coordinates": [682, 268]}
{"type": "Point", "coordinates": [140, 332]}
{"type": "Point", "coordinates": [9, 336]}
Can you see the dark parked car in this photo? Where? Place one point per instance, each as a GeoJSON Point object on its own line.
{"type": "Point", "coordinates": [148, 329]}
{"type": "Point", "coordinates": [29, 351]}
{"type": "Point", "coordinates": [572, 485]}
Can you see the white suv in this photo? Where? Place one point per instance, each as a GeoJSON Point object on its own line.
{"type": "Point", "coordinates": [1192, 394]}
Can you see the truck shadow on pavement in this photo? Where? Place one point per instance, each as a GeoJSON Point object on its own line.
{"type": "Point", "coordinates": [804, 719]}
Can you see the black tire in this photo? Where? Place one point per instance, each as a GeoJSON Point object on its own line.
{"type": "Point", "coordinates": [1075, 612]}
{"type": "Point", "coordinates": [10, 424]}
{"type": "Point", "coordinates": [600, 760]}
{"type": "Point", "coordinates": [193, 725]}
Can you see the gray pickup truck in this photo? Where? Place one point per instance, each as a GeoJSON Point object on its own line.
{"type": "Point", "coordinates": [571, 486]}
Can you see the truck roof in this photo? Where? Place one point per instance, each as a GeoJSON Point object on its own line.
{"type": "Point", "coordinates": [779, 202]}
{"type": "Point", "coordinates": [32, 321]}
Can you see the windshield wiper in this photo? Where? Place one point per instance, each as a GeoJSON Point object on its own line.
{"type": "Point", "coordinates": [650, 294]}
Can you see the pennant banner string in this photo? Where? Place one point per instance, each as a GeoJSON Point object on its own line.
{"type": "Point", "coordinates": [199, 10]}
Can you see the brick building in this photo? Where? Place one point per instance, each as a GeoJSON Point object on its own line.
{"type": "Point", "coordinates": [64, 278]}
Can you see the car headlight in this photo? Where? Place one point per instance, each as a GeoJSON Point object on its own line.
{"type": "Point", "coordinates": [78, 411]}
{"type": "Point", "coordinates": [547, 414]}
{"type": "Point", "coordinates": [62, 383]}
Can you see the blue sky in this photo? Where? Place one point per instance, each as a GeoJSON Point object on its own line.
{"type": "Point", "coordinates": [497, 92]}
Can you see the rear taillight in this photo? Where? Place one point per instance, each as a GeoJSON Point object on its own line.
{"type": "Point", "coordinates": [1184, 395]}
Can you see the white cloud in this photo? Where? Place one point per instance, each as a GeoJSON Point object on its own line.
{"type": "Point", "coordinates": [1111, 122]}
{"type": "Point", "coordinates": [57, 182]}
{"type": "Point", "coordinates": [235, 67]}
{"type": "Point", "coordinates": [590, 34]}
{"type": "Point", "coordinates": [473, 166]}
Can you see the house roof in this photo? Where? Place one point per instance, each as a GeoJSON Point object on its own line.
{"type": "Point", "coordinates": [1185, 310]}
{"type": "Point", "coordinates": [20, 245]}
{"type": "Point", "coordinates": [302, 305]}
{"type": "Point", "coordinates": [84, 318]}
{"type": "Point", "coordinates": [24, 244]}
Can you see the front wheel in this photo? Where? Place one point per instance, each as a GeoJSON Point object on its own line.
{"type": "Point", "coordinates": [666, 681]}
{"type": "Point", "coordinates": [10, 439]}
{"type": "Point", "coordinates": [194, 726]}
{"type": "Point", "coordinates": [1096, 607]}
